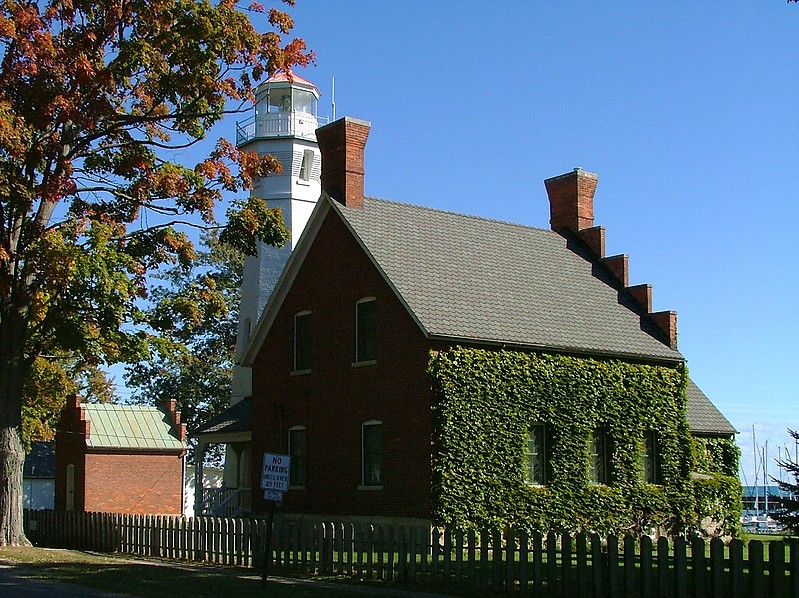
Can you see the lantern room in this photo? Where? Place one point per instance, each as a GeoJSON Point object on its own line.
{"type": "Point", "coordinates": [285, 106]}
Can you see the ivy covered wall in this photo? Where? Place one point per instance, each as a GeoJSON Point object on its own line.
{"type": "Point", "coordinates": [485, 404]}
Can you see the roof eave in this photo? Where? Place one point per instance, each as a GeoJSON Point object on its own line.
{"type": "Point", "coordinates": [676, 360]}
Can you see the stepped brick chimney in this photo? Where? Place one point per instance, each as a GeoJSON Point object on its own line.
{"type": "Point", "coordinates": [342, 144]}
{"type": "Point", "coordinates": [571, 210]}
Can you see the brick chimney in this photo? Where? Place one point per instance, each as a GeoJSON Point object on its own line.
{"type": "Point", "coordinates": [571, 210]}
{"type": "Point", "coordinates": [342, 144]}
{"type": "Point", "coordinates": [571, 200]}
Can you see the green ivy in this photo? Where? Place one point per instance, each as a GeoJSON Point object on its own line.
{"type": "Point", "coordinates": [485, 403]}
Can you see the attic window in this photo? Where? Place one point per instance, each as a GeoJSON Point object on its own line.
{"type": "Point", "coordinates": [302, 341]}
{"type": "Point", "coordinates": [366, 330]}
{"type": "Point", "coordinates": [305, 166]}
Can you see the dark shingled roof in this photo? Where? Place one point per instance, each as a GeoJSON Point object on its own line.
{"type": "Point", "coordinates": [236, 418]}
{"type": "Point", "coordinates": [703, 416]}
{"type": "Point", "coordinates": [40, 462]}
{"type": "Point", "coordinates": [478, 280]}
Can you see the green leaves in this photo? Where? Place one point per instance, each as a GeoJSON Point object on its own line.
{"type": "Point", "coordinates": [252, 221]}
{"type": "Point", "coordinates": [485, 402]}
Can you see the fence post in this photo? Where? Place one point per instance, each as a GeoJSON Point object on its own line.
{"type": "Point", "coordinates": [794, 568]}
{"type": "Point", "coordinates": [737, 568]}
{"type": "Point", "coordinates": [646, 565]}
{"type": "Point", "coordinates": [717, 566]}
{"type": "Point", "coordinates": [552, 565]}
{"type": "Point", "coordinates": [510, 560]}
{"type": "Point", "coordinates": [680, 567]}
{"type": "Point", "coordinates": [496, 560]}
{"type": "Point", "coordinates": [581, 564]}
{"type": "Point", "coordinates": [663, 566]}
{"type": "Point", "coordinates": [598, 565]}
{"type": "Point", "coordinates": [538, 553]}
{"type": "Point", "coordinates": [566, 565]}
{"type": "Point", "coordinates": [699, 566]}
{"type": "Point", "coordinates": [756, 567]}
{"type": "Point", "coordinates": [613, 566]}
{"type": "Point", "coordinates": [524, 561]}
{"type": "Point", "coordinates": [447, 557]}
{"type": "Point", "coordinates": [776, 560]}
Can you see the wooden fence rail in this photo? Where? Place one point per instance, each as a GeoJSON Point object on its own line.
{"type": "Point", "coordinates": [420, 556]}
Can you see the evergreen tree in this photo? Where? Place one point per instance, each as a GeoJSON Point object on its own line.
{"type": "Point", "coordinates": [788, 514]}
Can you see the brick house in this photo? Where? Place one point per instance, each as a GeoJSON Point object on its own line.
{"type": "Point", "coordinates": [340, 354]}
{"type": "Point", "coordinates": [119, 458]}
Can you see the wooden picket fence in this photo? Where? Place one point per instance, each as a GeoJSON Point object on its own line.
{"type": "Point", "coordinates": [434, 558]}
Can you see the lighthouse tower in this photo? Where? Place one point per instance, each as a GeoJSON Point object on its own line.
{"type": "Point", "coordinates": [284, 126]}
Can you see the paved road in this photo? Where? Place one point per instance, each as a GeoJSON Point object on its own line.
{"type": "Point", "coordinates": [13, 583]}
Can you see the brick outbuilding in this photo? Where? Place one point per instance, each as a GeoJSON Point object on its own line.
{"type": "Point", "coordinates": [120, 458]}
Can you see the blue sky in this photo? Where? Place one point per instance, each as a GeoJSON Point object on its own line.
{"type": "Point", "coordinates": [686, 111]}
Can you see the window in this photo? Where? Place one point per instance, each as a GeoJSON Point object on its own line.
{"type": "Point", "coordinates": [298, 456]}
{"type": "Point", "coordinates": [536, 465]}
{"type": "Point", "coordinates": [598, 455]}
{"type": "Point", "coordinates": [651, 458]}
{"type": "Point", "coordinates": [372, 432]}
{"type": "Point", "coordinates": [306, 164]}
{"type": "Point", "coordinates": [366, 329]}
{"type": "Point", "coordinates": [302, 341]}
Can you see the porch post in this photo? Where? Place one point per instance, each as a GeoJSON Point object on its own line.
{"type": "Point", "coordinates": [199, 456]}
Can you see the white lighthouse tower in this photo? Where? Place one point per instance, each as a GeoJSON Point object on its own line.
{"type": "Point", "coordinates": [284, 126]}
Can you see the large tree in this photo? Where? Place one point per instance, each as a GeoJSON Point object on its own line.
{"type": "Point", "coordinates": [97, 98]}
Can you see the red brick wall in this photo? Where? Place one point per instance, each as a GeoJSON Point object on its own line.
{"type": "Point", "coordinates": [129, 483]}
{"type": "Point", "coordinates": [335, 398]}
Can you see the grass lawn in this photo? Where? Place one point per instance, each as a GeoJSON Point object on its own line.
{"type": "Point", "coordinates": [155, 578]}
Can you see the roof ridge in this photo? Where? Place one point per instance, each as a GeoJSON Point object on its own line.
{"type": "Point", "coordinates": [462, 214]}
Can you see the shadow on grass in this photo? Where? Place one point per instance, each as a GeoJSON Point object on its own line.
{"type": "Point", "coordinates": [159, 581]}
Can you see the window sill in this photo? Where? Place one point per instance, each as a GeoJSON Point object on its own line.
{"type": "Point", "coordinates": [360, 364]}
{"type": "Point", "coordinates": [300, 372]}
{"type": "Point", "coordinates": [368, 488]}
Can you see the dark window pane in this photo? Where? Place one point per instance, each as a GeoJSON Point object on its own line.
{"type": "Point", "coordinates": [302, 342]}
{"type": "Point", "coordinates": [598, 453]}
{"type": "Point", "coordinates": [298, 459]}
{"type": "Point", "coordinates": [372, 454]}
{"type": "Point", "coordinates": [536, 455]}
{"type": "Point", "coordinates": [366, 331]}
{"type": "Point", "coordinates": [651, 458]}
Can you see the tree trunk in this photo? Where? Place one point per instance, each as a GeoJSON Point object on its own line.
{"type": "Point", "coordinates": [12, 451]}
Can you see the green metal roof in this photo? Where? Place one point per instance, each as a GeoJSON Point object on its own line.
{"type": "Point", "coordinates": [130, 427]}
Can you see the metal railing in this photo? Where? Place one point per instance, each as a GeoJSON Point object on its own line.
{"type": "Point", "coordinates": [278, 124]}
